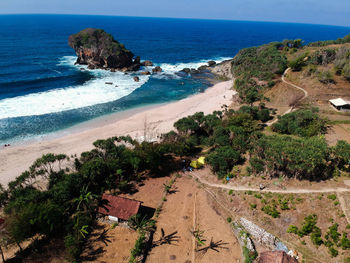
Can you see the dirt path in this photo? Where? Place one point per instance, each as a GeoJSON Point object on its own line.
{"type": "Point", "coordinates": [343, 206]}
{"type": "Point", "coordinates": [256, 189]}
{"type": "Point", "coordinates": [294, 86]}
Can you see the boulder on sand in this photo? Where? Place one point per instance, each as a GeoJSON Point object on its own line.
{"type": "Point", "coordinates": [137, 79]}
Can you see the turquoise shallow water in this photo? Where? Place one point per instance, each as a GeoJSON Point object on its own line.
{"type": "Point", "coordinates": [41, 91]}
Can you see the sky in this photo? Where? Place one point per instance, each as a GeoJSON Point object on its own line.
{"type": "Point", "coordinates": [328, 12]}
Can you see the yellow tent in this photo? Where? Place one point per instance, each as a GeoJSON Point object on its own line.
{"type": "Point", "coordinates": [201, 160]}
{"type": "Point", "coordinates": [198, 163]}
{"type": "Point", "coordinates": [195, 164]}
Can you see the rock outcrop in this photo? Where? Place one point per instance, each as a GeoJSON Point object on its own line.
{"type": "Point", "coordinates": [98, 49]}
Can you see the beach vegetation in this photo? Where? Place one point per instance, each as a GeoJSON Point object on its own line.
{"type": "Point", "coordinates": [303, 122]}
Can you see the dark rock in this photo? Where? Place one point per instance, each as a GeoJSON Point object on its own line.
{"type": "Point", "coordinates": [157, 69]}
{"type": "Point", "coordinates": [82, 69]}
{"type": "Point", "coordinates": [145, 73]}
{"type": "Point", "coordinates": [98, 49]}
{"type": "Point", "coordinates": [186, 70]}
{"type": "Point", "coordinates": [194, 71]}
{"type": "Point", "coordinates": [137, 79]}
{"type": "Point", "coordinates": [211, 63]}
{"type": "Point", "coordinates": [112, 69]}
{"type": "Point", "coordinates": [137, 60]}
{"type": "Point", "coordinates": [172, 257]}
{"type": "Point", "coordinates": [109, 83]}
{"type": "Point", "coordinates": [202, 68]}
{"type": "Point", "coordinates": [147, 63]}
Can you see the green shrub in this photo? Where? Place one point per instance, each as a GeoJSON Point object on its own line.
{"type": "Point", "coordinates": [73, 247]}
{"type": "Point", "coordinates": [229, 219]}
{"type": "Point", "coordinates": [138, 248]}
{"type": "Point", "coordinates": [344, 241]}
{"type": "Point", "coordinates": [333, 252]}
{"type": "Point", "coordinates": [302, 122]}
{"type": "Point", "coordinates": [332, 196]}
{"type": "Point", "coordinates": [230, 192]}
{"type": "Point", "coordinates": [308, 225]}
{"type": "Point", "coordinates": [293, 229]}
{"type": "Point", "coordinates": [248, 255]}
{"type": "Point", "coordinates": [315, 236]}
{"type": "Point", "coordinates": [253, 206]}
{"type": "Point", "coordinates": [271, 211]}
{"type": "Point", "coordinates": [333, 233]}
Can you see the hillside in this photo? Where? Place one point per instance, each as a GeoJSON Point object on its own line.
{"type": "Point", "coordinates": [276, 176]}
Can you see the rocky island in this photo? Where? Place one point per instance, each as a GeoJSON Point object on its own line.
{"type": "Point", "coordinates": [99, 50]}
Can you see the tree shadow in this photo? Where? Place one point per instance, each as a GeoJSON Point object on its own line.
{"type": "Point", "coordinates": [166, 239]}
{"type": "Point", "coordinates": [216, 246]}
{"type": "Point", "coordinates": [93, 253]}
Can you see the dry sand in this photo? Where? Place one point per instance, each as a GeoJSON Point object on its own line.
{"type": "Point", "coordinates": [150, 123]}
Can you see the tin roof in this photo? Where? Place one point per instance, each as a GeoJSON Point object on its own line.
{"type": "Point", "coordinates": [339, 102]}
{"type": "Point", "coordinates": [120, 207]}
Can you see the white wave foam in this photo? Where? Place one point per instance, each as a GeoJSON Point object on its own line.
{"type": "Point", "coordinates": [93, 92]}
{"type": "Point", "coordinates": [173, 68]}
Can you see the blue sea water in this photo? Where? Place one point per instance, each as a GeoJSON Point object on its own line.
{"type": "Point", "coordinates": [41, 91]}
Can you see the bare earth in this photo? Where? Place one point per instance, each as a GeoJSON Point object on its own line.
{"type": "Point", "coordinates": [188, 209]}
{"type": "Point", "coordinates": [14, 160]}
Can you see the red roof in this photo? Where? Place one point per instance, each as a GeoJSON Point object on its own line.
{"type": "Point", "coordinates": [120, 207]}
{"type": "Point", "coordinates": [276, 257]}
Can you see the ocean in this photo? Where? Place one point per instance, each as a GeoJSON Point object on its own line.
{"type": "Point", "coordinates": [42, 91]}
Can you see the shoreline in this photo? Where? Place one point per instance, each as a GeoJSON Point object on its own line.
{"type": "Point", "coordinates": [148, 121]}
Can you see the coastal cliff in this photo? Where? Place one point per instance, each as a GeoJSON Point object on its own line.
{"type": "Point", "coordinates": [98, 49]}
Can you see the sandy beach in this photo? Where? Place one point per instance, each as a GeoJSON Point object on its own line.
{"type": "Point", "coordinates": [150, 123]}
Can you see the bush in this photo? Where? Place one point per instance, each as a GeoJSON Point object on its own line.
{"type": "Point", "coordinates": [316, 236]}
{"type": "Point", "coordinates": [223, 159]}
{"type": "Point", "coordinates": [302, 122]}
{"type": "Point", "coordinates": [253, 206]}
{"type": "Point", "coordinates": [229, 220]}
{"type": "Point", "coordinates": [302, 158]}
{"type": "Point", "coordinates": [333, 233]}
{"type": "Point", "coordinates": [345, 242]}
{"type": "Point", "coordinates": [271, 211]}
{"type": "Point", "coordinates": [293, 229]}
{"type": "Point", "coordinates": [333, 252]}
{"type": "Point", "coordinates": [332, 196]}
{"type": "Point", "coordinates": [248, 255]}
{"type": "Point", "coordinates": [308, 225]}
{"type": "Point", "coordinates": [73, 247]}
{"type": "Point", "coordinates": [298, 63]}
{"type": "Point", "coordinates": [139, 247]}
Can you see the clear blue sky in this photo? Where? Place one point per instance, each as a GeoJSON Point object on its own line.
{"type": "Point", "coordinates": [330, 12]}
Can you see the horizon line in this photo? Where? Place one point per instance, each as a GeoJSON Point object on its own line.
{"type": "Point", "coordinates": [184, 18]}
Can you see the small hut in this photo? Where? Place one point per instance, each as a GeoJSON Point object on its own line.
{"type": "Point", "coordinates": [340, 104]}
{"type": "Point", "coordinates": [119, 208]}
{"type": "Point", "coordinates": [275, 257]}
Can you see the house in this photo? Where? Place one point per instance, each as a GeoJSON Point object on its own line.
{"type": "Point", "coordinates": [275, 257]}
{"type": "Point", "coordinates": [340, 104]}
{"type": "Point", "coordinates": [119, 208]}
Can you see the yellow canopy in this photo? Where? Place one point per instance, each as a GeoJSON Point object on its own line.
{"type": "Point", "coordinates": [198, 163]}
{"type": "Point", "coordinates": [194, 164]}
{"type": "Point", "coordinates": [201, 160]}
